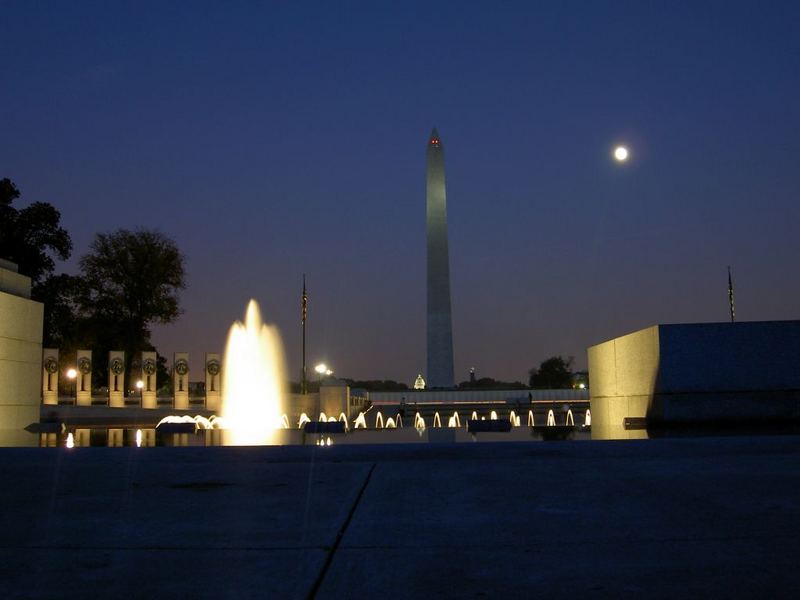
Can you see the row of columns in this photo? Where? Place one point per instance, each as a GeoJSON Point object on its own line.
{"type": "Point", "coordinates": [146, 388]}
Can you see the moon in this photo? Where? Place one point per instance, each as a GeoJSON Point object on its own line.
{"type": "Point", "coordinates": [621, 153]}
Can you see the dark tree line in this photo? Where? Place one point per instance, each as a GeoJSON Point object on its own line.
{"type": "Point", "coordinates": [488, 383]}
{"type": "Point", "coordinates": [377, 385]}
{"type": "Point", "coordinates": [372, 385]}
{"type": "Point", "coordinates": [552, 374]}
{"type": "Point", "coordinates": [128, 281]}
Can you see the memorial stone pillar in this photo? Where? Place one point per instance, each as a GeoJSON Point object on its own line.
{"type": "Point", "coordinates": [149, 387]}
{"type": "Point", "coordinates": [213, 382]}
{"type": "Point", "coordinates": [50, 376]}
{"type": "Point", "coordinates": [116, 378]}
{"type": "Point", "coordinates": [83, 383]}
{"type": "Point", "coordinates": [180, 379]}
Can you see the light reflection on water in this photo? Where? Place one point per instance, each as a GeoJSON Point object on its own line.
{"type": "Point", "coordinates": [83, 437]}
{"type": "Point", "coordinates": [211, 432]}
{"type": "Point", "coordinates": [149, 437]}
{"type": "Point", "coordinates": [390, 430]}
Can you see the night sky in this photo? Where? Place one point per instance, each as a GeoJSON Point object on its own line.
{"type": "Point", "coordinates": [286, 138]}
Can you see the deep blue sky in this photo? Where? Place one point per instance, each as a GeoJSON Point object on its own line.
{"type": "Point", "coordinates": [274, 139]}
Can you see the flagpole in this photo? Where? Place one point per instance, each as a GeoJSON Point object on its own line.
{"type": "Point", "coordinates": [304, 384]}
{"type": "Point", "coordinates": [730, 295]}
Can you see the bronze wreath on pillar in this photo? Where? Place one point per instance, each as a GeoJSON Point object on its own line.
{"type": "Point", "coordinates": [149, 366]}
{"type": "Point", "coordinates": [117, 366]}
{"type": "Point", "coordinates": [50, 365]}
{"type": "Point", "coordinates": [84, 365]}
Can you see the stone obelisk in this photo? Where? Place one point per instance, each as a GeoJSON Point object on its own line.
{"type": "Point", "coordinates": [440, 328]}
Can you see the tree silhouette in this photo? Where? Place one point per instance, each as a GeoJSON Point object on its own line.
{"type": "Point", "coordinates": [31, 236]}
{"type": "Point", "coordinates": [131, 280]}
{"type": "Point", "coordinates": [553, 373]}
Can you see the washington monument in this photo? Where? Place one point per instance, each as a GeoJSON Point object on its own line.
{"type": "Point", "coordinates": [440, 327]}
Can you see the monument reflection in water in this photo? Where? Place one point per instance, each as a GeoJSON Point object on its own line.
{"type": "Point", "coordinates": [253, 379]}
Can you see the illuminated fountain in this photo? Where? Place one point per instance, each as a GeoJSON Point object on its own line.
{"type": "Point", "coordinates": [199, 421]}
{"type": "Point", "coordinates": [419, 422]}
{"type": "Point", "coordinates": [252, 400]}
{"type": "Point", "coordinates": [454, 421]}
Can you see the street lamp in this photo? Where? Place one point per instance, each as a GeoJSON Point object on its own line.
{"type": "Point", "coordinates": [71, 375]}
{"type": "Point", "coordinates": [140, 387]}
{"type": "Point", "coordinates": [323, 371]}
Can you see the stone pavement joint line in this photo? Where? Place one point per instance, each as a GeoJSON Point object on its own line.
{"type": "Point", "coordinates": [340, 534]}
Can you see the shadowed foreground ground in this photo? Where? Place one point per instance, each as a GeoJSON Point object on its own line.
{"type": "Point", "coordinates": [704, 517]}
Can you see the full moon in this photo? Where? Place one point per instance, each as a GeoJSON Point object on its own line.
{"type": "Point", "coordinates": [621, 153]}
